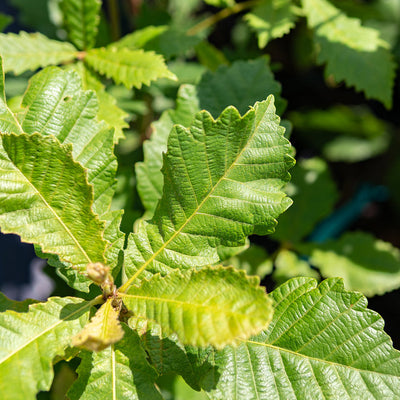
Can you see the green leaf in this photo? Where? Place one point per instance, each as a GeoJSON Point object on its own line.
{"type": "Point", "coordinates": [119, 372]}
{"type": "Point", "coordinates": [164, 40]}
{"type": "Point", "coordinates": [55, 104]}
{"type": "Point", "coordinates": [323, 343]}
{"type": "Point", "coordinates": [45, 198]}
{"type": "Point", "coordinates": [254, 260]}
{"type": "Point", "coordinates": [30, 51]}
{"type": "Point", "coordinates": [108, 111]}
{"type": "Point", "coordinates": [5, 20]}
{"type": "Point", "coordinates": [220, 3]}
{"type": "Point", "coordinates": [271, 19]}
{"type": "Point", "coordinates": [214, 306]}
{"type": "Point", "coordinates": [314, 194]}
{"type": "Point", "coordinates": [8, 121]}
{"type": "Point", "coordinates": [167, 354]}
{"type": "Point", "coordinates": [365, 263]}
{"type": "Point", "coordinates": [103, 330]}
{"type": "Point", "coordinates": [213, 197]}
{"type": "Point", "coordinates": [81, 19]}
{"type": "Point", "coordinates": [133, 68]}
{"type": "Point", "coordinates": [149, 176]}
{"type": "Point", "coordinates": [19, 306]}
{"type": "Point", "coordinates": [29, 342]}
{"type": "Point", "coordinates": [288, 265]}
{"type": "Point", "coordinates": [241, 85]}
{"type": "Point", "coordinates": [352, 52]}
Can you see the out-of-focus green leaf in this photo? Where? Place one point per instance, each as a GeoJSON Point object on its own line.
{"type": "Point", "coordinates": [36, 15]}
{"type": "Point", "coordinates": [220, 3]}
{"type": "Point", "coordinates": [30, 340]}
{"type": "Point", "coordinates": [353, 149]}
{"type": "Point", "coordinates": [81, 19]}
{"type": "Point", "coordinates": [133, 68]}
{"type": "Point", "coordinates": [241, 85]}
{"type": "Point", "coordinates": [288, 265]}
{"type": "Point", "coordinates": [5, 20]}
{"type": "Point", "coordinates": [119, 372]}
{"type": "Point", "coordinates": [271, 19]}
{"type": "Point", "coordinates": [215, 306]}
{"type": "Point", "coordinates": [213, 197]}
{"type": "Point", "coordinates": [210, 56]}
{"type": "Point", "coordinates": [164, 40]}
{"type": "Point", "coordinates": [314, 195]}
{"type": "Point", "coordinates": [365, 263]}
{"type": "Point", "coordinates": [322, 343]}
{"type": "Point", "coordinates": [45, 198]}
{"type": "Point", "coordinates": [351, 52]}
{"type": "Point", "coordinates": [30, 51]}
{"type": "Point", "coordinates": [254, 260]}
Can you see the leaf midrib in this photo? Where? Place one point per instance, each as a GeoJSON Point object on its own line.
{"type": "Point", "coordinates": [58, 218]}
{"type": "Point", "coordinates": [331, 363]}
{"type": "Point", "coordinates": [127, 285]}
{"type": "Point", "coordinates": [198, 305]}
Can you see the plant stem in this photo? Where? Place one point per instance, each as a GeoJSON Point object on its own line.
{"type": "Point", "coordinates": [226, 12]}
{"type": "Point", "coordinates": [113, 9]}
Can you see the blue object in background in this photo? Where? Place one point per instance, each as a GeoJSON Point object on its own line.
{"type": "Point", "coordinates": [341, 219]}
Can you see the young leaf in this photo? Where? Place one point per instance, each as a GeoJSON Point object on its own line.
{"type": "Point", "coordinates": [45, 198]}
{"type": "Point", "coordinates": [271, 19]}
{"type": "Point", "coordinates": [103, 329]}
{"type": "Point", "coordinates": [133, 68]}
{"type": "Point", "coordinates": [213, 197]}
{"type": "Point", "coordinates": [55, 104]}
{"type": "Point", "coordinates": [352, 52]}
{"type": "Point", "coordinates": [214, 306]}
{"type": "Point", "coordinates": [241, 85]}
{"type": "Point", "coordinates": [119, 372]}
{"type": "Point", "coordinates": [365, 263]}
{"type": "Point", "coordinates": [29, 342]}
{"type": "Point", "coordinates": [81, 19]}
{"type": "Point", "coordinates": [314, 194]}
{"type": "Point", "coordinates": [322, 343]}
{"type": "Point", "coordinates": [30, 51]}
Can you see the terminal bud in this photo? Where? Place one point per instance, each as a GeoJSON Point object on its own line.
{"type": "Point", "coordinates": [97, 272]}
